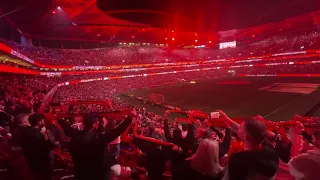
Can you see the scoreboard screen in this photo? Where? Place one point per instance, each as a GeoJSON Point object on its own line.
{"type": "Point", "coordinates": [231, 44]}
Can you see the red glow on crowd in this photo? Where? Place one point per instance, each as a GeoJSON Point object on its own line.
{"type": "Point", "coordinates": [74, 91]}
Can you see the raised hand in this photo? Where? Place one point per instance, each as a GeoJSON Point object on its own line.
{"type": "Point", "coordinates": [223, 114]}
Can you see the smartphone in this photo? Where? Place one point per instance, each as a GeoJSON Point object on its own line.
{"type": "Point", "coordinates": [214, 115]}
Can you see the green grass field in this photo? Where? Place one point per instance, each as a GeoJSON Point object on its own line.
{"type": "Point", "coordinates": [237, 96]}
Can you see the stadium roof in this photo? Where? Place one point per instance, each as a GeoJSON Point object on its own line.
{"type": "Point", "coordinates": [105, 19]}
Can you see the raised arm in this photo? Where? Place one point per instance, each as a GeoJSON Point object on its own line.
{"type": "Point", "coordinates": [225, 144]}
{"type": "Point", "coordinates": [121, 128]}
{"type": "Point", "coordinates": [190, 138]}
{"type": "Point", "coordinates": [234, 125]}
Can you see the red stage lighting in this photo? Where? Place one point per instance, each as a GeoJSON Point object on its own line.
{"type": "Point", "coordinates": [172, 31]}
{"type": "Point", "coordinates": [166, 38]}
{"type": "Point", "coordinates": [53, 12]}
{"type": "Point", "coordinates": [196, 40]}
{"type": "Point", "coordinates": [172, 39]}
{"type": "Point", "coordinates": [210, 42]}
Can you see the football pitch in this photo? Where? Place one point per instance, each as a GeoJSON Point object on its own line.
{"type": "Point", "coordinates": [275, 98]}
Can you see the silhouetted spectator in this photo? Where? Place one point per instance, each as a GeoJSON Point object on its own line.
{"type": "Point", "coordinates": [87, 147]}
{"type": "Point", "coordinates": [37, 147]}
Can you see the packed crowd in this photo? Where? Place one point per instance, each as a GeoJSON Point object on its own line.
{"type": "Point", "coordinates": [282, 69]}
{"type": "Point", "coordinates": [143, 145]}
{"type": "Point", "coordinates": [288, 42]}
{"type": "Point", "coordinates": [119, 141]}
{"type": "Point", "coordinates": [11, 61]}
{"type": "Point", "coordinates": [99, 90]}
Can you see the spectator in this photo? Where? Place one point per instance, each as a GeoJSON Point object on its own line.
{"type": "Point", "coordinates": [256, 161]}
{"type": "Point", "coordinates": [37, 148]}
{"type": "Point", "coordinates": [21, 121]}
{"type": "Point", "coordinates": [204, 164]}
{"type": "Point", "coordinates": [87, 147]}
{"type": "Point", "coordinates": [153, 133]}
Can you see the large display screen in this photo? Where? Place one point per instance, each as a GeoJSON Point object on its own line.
{"type": "Point", "coordinates": [231, 44]}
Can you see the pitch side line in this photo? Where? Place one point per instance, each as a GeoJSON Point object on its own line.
{"type": "Point", "coordinates": [282, 107]}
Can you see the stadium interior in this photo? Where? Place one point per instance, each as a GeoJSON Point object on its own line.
{"type": "Point", "coordinates": [160, 82]}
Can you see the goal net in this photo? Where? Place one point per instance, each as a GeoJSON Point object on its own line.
{"type": "Point", "coordinates": [156, 98]}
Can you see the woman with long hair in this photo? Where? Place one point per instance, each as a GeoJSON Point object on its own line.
{"type": "Point", "coordinates": [204, 164]}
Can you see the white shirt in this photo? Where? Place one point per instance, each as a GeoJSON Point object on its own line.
{"type": "Point", "coordinates": [306, 166]}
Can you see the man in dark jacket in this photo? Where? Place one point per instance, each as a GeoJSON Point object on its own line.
{"type": "Point", "coordinates": [37, 148]}
{"type": "Point", "coordinates": [87, 147]}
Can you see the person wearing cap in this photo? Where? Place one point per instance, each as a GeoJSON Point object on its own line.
{"type": "Point", "coordinates": [87, 147]}
{"type": "Point", "coordinates": [37, 148]}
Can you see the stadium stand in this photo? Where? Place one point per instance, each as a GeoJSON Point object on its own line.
{"type": "Point", "coordinates": [75, 126]}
